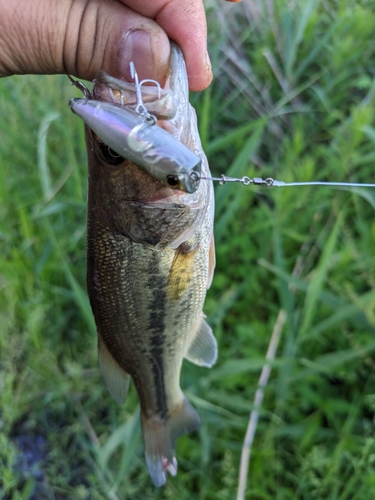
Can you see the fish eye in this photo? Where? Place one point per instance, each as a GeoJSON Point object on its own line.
{"type": "Point", "coordinates": [173, 181]}
{"type": "Point", "coordinates": [110, 156]}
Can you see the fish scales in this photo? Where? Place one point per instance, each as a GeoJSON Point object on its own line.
{"type": "Point", "coordinates": [150, 260]}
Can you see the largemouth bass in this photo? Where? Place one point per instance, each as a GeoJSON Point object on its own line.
{"type": "Point", "coordinates": [150, 260]}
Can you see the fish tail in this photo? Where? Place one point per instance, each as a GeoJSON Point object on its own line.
{"type": "Point", "coordinates": [159, 435]}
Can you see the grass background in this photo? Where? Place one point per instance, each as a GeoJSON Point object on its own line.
{"type": "Point", "coordinates": [293, 98]}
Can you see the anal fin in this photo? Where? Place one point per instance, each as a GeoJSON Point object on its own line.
{"type": "Point", "coordinates": [203, 348]}
{"type": "Point", "coordinates": [115, 378]}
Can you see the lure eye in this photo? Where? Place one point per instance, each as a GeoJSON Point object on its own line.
{"type": "Point", "coordinates": [173, 181]}
{"type": "Point", "coordinates": [110, 156]}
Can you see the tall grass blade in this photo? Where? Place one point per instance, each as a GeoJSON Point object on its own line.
{"type": "Point", "coordinates": [79, 294]}
{"type": "Point", "coordinates": [44, 172]}
{"type": "Point", "coordinates": [229, 197]}
{"type": "Point", "coordinates": [366, 194]}
{"type": "Point", "coordinates": [308, 8]}
{"type": "Point", "coordinates": [285, 294]}
{"type": "Point", "coordinates": [318, 278]}
{"type": "Point", "coordinates": [230, 138]}
{"type": "Point", "coordinates": [204, 118]}
{"type": "Point", "coordinates": [80, 297]}
{"type": "Point", "coordinates": [320, 45]}
{"type": "Point", "coordinates": [239, 167]}
{"type": "Point", "coordinates": [128, 436]}
{"type": "Point", "coordinates": [354, 312]}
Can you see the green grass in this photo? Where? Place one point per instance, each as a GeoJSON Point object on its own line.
{"type": "Point", "coordinates": [293, 98]}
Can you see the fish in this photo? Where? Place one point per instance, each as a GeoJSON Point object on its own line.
{"type": "Point", "coordinates": [150, 261]}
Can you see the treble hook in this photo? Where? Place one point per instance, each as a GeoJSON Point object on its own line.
{"type": "Point", "coordinates": [141, 108]}
{"type": "Point", "coordinates": [82, 87]}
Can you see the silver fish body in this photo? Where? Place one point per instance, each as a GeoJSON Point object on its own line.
{"type": "Point", "coordinates": [150, 258]}
{"type": "Point", "coordinates": [147, 145]}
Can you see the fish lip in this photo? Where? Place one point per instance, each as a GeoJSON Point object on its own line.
{"type": "Point", "coordinates": [166, 107]}
{"type": "Point", "coordinates": [122, 94]}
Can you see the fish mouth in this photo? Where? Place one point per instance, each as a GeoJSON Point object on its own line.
{"type": "Point", "coordinates": [121, 93]}
{"type": "Point", "coordinates": [162, 102]}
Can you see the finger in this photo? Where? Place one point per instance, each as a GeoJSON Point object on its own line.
{"type": "Point", "coordinates": [87, 35]}
{"type": "Point", "coordinates": [185, 23]}
{"type": "Point", "coordinates": [111, 35]}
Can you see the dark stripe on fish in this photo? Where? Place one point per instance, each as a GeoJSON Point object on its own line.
{"type": "Point", "coordinates": [156, 326]}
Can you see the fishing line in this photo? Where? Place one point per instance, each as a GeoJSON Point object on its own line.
{"type": "Point", "coordinates": [270, 182]}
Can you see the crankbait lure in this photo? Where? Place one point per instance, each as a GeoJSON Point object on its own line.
{"type": "Point", "coordinates": [134, 135]}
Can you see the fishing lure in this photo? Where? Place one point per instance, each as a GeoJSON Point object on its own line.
{"type": "Point", "coordinates": [134, 135]}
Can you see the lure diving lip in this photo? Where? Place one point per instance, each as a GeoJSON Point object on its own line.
{"type": "Point", "coordinates": [147, 145]}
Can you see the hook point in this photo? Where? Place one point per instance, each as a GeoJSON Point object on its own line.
{"type": "Point", "coordinates": [132, 69]}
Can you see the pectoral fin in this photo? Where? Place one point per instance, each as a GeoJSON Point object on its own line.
{"type": "Point", "coordinates": [115, 378]}
{"type": "Point", "coordinates": [203, 348]}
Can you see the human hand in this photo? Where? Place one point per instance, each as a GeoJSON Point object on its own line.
{"type": "Point", "coordinates": [79, 37]}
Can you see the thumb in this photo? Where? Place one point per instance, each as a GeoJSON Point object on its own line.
{"type": "Point", "coordinates": [79, 37]}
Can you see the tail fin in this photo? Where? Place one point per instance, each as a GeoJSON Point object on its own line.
{"type": "Point", "coordinates": [159, 436]}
